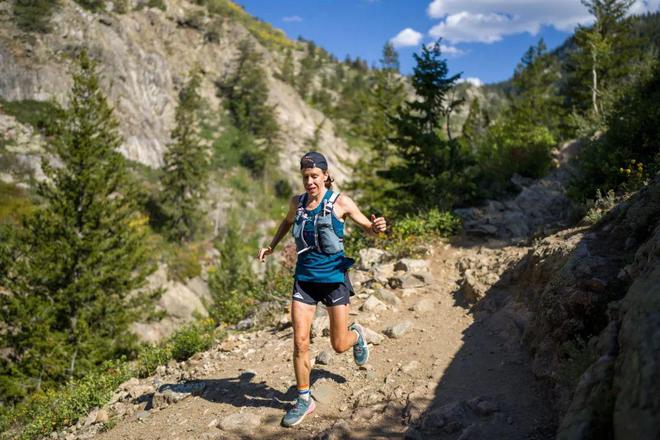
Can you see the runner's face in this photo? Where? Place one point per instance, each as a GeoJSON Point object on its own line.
{"type": "Point", "coordinates": [314, 180]}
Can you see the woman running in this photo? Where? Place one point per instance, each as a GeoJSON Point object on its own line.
{"type": "Point", "coordinates": [317, 217]}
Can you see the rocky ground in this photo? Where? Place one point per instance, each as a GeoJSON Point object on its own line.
{"type": "Point", "coordinates": [440, 366]}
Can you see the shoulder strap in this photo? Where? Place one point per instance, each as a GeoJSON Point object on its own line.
{"type": "Point", "coordinates": [330, 203]}
{"type": "Point", "coordinates": [301, 200]}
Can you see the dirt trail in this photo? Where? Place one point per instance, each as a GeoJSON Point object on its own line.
{"type": "Point", "coordinates": [459, 372]}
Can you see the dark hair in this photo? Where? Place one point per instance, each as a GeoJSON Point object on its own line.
{"type": "Point", "coordinates": [329, 180]}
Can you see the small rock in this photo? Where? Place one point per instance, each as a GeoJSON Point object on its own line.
{"type": "Point", "coordinates": [324, 358]}
{"type": "Point", "coordinates": [410, 366]}
{"type": "Point", "coordinates": [485, 407]}
{"type": "Point", "coordinates": [372, 336]}
{"type": "Point", "coordinates": [245, 324]}
{"type": "Point", "coordinates": [423, 306]}
{"type": "Point", "coordinates": [369, 257]}
{"type": "Point", "coordinates": [238, 422]}
{"type": "Point", "coordinates": [373, 304]}
{"type": "Point", "coordinates": [409, 281]}
{"type": "Point", "coordinates": [324, 391]}
{"type": "Point", "coordinates": [212, 423]}
{"type": "Point", "coordinates": [389, 297]}
{"type": "Point", "coordinates": [142, 415]}
{"type": "Point", "coordinates": [398, 330]}
{"type": "Point", "coordinates": [339, 431]}
{"type": "Point", "coordinates": [320, 325]}
{"type": "Point", "coordinates": [411, 265]}
{"type": "Point", "coordinates": [102, 416]}
{"type": "Point", "coordinates": [91, 417]}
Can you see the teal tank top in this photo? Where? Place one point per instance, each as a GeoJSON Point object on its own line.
{"type": "Point", "coordinates": [317, 266]}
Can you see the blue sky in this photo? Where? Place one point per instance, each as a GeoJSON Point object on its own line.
{"type": "Point", "coordinates": [484, 39]}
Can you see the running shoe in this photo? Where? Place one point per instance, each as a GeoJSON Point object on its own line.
{"type": "Point", "coordinates": [296, 414]}
{"type": "Point", "coordinates": [360, 349]}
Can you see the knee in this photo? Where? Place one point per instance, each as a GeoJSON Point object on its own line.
{"type": "Point", "coordinates": [301, 345]}
{"type": "Point", "coordinates": [339, 343]}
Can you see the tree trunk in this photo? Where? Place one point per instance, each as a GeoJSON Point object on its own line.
{"type": "Point", "coordinates": [594, 82]}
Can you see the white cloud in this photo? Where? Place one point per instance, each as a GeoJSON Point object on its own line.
{"type": "Point", "coordinates": [487, 21]}
{"type": "Point", "coordinates": [292, 18]}
{"type": "Point", "coordinates": [451, 50]}
{"type": "Point", "coordinates": [472, 80]}
{"type": "Point", "coordinates": [407, 37]}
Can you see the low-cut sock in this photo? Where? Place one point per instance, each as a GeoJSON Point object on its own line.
{"type": "Point", "coordinates": [357, 339]}
{"type": "Point", "coordinates": [303, 392]}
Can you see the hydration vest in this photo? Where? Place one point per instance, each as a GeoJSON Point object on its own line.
{"type": "Point", "coordinates": [326, 239]}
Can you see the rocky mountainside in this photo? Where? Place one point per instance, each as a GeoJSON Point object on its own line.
{"type": "Point", "coordinates": [144, 57]}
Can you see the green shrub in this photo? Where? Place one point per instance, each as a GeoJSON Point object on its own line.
{"type": "Point", "coordinates": [510, 147]}
{"type": "Point", "coordinates": [409, 236]}
{"type": "Point", "coordinates": [14, 203]}
{"type": "Point", "coordinates": [191, 339]}
{"type": "Point", "coordinates": [184, 262]}
{"type": "Point", "coordinates": [628, 153]}
{"type": "Point", "coordinates": [53, 408]}
{"type": "Point", "coordinates": [598, 207]}
{"type": "Point", "coordinates": [151, 357]}
{"type": "Point", "coordinates": [41, 115]}
{"type": "Point", "coordinates": [34, 15]}
{"type": "Point", "coordinates": [92, 5]}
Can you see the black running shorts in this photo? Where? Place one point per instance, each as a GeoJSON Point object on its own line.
{"type": "Point", "coordinates": [330, 294]}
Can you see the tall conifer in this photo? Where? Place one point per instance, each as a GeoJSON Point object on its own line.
{"type": "Point", "coordinates": [185, 172]}
{"type": "Point", "coordinates": [70, 267]}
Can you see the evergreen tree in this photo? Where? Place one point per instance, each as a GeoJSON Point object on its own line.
{"type": "Point", "coordinates": [475, 124]}
{"type": "Point", "coordinates": [246, 94]}
{"type": "Point", "coordinates": [605, 57]}
{"type": "Point", "coordinates": [433, 168]}
{"type": "Point", "coordinates": [288, 70]}
{"type": "Point", "coordinates": [535, 97]}
{"type": "Point", "coordinates": [34, 15]}
{"type": "Point", "coordinates": [71, 265]}
{"type": "Point", "coordinates": [185, 172]}
{"type": "Point", "coordinates": [246, 99]}
{"type": "Point", "coordinates": [390, 60]}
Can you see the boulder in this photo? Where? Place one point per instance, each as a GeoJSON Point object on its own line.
{"type": "Point", "coordinates": [370, 257]}
{"type": "Point", "coordinates": [423, 306]}
{"type": "Point", "coordinates": [398, 330]}
{"type": "Point", "coordinates": [372, 337]}
{"type": "Point", "coordinates": [373, 304]}
{"type": "Point", "coordinates": [388, 297]}
{"type": "Point", "coordinates": [242, 422]}
{"type": "Point", "coordinates": [412, 265]}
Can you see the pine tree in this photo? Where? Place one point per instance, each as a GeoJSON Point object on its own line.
{"type": "Point", "coordinates": [288, 70]}
{"type": "Point", "coordinates": [605, 56]}
{"type": "Point", "coordinates": [535, 98]}
{"type": "Point", "coordinates": [246, 94]}
{"type": "Point", "coordinates": [246, 99]}
{"type": "Point", "coordinates": [390, 60]}
{"type": "Point", "coordinates": [432, 169]}
{"type": "Point", "coordinates": [185, 172]}
{"type": "Point", "coordinates": [71, 266]}
{"type": "Point", "coordinates": [475, 124]}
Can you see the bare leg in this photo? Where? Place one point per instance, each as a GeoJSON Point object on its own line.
{"type": "Point", "coordinates": [301, 316]}
{"type": "Point", "coordinates": [341, 337]}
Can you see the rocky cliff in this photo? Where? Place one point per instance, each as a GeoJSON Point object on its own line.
{"type": "Point", "coordinates": [595, 333]}
{"type": "Point", "coordinates": [144, 57]}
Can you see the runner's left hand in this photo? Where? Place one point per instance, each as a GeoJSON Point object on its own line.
{"type": "Point", "coordinates": [378, 224]}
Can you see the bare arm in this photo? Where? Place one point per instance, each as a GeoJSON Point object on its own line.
{"type": "Point", "coordinates": [350, 209]}
{"type": "Point", "coordinates": [282, 230]}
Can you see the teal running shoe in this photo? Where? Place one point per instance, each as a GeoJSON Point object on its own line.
{"type": "Point", "coordinates": [360, 349]}
{"type": "Point", "coordinates": [296, 414]}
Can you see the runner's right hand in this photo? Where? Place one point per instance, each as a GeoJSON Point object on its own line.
{"type": "Point", "coordinates": [263, 252]}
